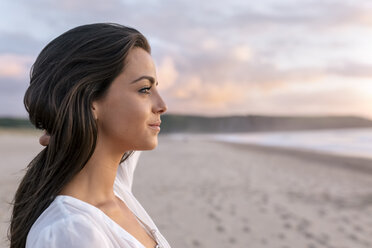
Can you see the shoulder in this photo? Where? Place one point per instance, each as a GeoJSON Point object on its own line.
{"type": "Point", "coordinates": [67, 222]}
{"type": "Point", "coordinates": [72, 231]}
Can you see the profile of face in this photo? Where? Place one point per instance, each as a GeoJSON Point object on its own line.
{"type": "Point", "coordinates": [131, 106]}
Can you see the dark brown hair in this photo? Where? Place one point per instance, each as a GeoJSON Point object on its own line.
{"type": "Point", "coordinates": [70, 73]}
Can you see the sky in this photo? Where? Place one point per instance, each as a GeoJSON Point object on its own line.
{"type": "Point", "coordinates": [216, 58]}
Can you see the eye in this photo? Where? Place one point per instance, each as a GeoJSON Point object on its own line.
{"type": "Point", "coordinates": [145, 90]}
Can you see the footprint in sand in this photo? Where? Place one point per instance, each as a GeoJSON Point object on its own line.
{"type": "Point", "coordinates": [264, 241]}
{"type": "Point", "coordinates": [232, 210]}
{"type": "Point", "coordinates": [341, 229]}
{"type": "Point", "coordinates": [353, 237]}
{"type": "Point", "coordinates": [263, 210]}
{"type": "Point", "coordinates": [355, 216]}
{"type": "Point", "coordinates": [264, 199]}
{"type": "Point", "coordinates": [323, 239]}
{"type": "Point", "coordinates": [246, 229]}
{"type": "Point", "coordinates": [287, 225]}
{"type": "Point", "coordinates": [232, 240]}
{"type": "Point", "coordinates": [322, 212]}
{"type": "Point", "coordinates": [213, 216]}
{"type": "Point", "coordinates": [278, 209]}
{"type": "Point", "coordinates": [209, 199]}
{"type": "Point", "coordinates": [196, 243]}
{"type": "Point", "coordinates": [308, 235]}
{"type": "Point", "coordinates": [245, 219]}
{"type": "Point", "coordinates": [345, 220]}
{"type": "Point", "coordinates": [220, 229]}
{"type": "Point", "coordinates": [367, 244]}
{"type": "Point", "coordinates": [358, 228]}
{"type": "Point", "coordinates": [281, 236]}
{"type": "Point", "coordinates": [303, 225]}
{"type": "Point", "coordinates": [285, 216]}
{"type": "Point", "coordinates": [218, 207]}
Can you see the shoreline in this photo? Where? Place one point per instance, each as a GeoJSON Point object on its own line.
{"type": "Point", "coordinates": [357, 163]}
{"type": "Point", "coordinates": [361, 164]}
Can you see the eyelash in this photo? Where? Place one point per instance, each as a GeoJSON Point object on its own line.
{"type": "Point", "coordinates": [148, 88]}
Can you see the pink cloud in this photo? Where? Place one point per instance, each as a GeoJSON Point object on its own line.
{"type": "Point", "coordinates": [167, 73]}
{"type": "Point", "coordinates": [15, 66]}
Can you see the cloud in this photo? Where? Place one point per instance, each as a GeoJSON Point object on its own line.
{"type": "Point", "coordinates": [208, 93]}
{"type": "Point", "coordinates": [351, 69]}
{"type": "Point", "coordinates": [14, 80]}
{"type": "Point", "coordinates": [217, 95]}
{"type": "Point", "coordinates": [241, 66]}
{"type": "Point", "coordinates": [188, 88]}
{"type": "Point", "coordinates": [11, 96]}
{"type": "Point", "coordinates": [318, 100]}
{"type": "Point", "coordinates": [167, 73]}
{"type": "Point", "coordinates": [305, 14]}
{"type": "Point", "coordinates": [19, 43]}
{"type": "Point", "coordinates": [242, 53]}
{"type": "Point", "coordinates": [15, 66]}
{"type": "Point", "coordinates": [209, 44]}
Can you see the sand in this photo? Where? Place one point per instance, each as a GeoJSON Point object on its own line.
{"type": "Point", "coordinates": [208, 194]}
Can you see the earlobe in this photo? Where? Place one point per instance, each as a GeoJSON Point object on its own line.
{"type": "Point", "coordinates": [95, 110]}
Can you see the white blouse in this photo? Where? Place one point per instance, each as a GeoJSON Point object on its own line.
{"type": "Point", "coordinates": [70, 222]}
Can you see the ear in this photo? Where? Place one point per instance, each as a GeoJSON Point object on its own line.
{"type": "Point", "coordinates": [95, 110]}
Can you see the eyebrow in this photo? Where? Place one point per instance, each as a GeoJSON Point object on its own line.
{"type": "Point", "coordinates": [151, 79]}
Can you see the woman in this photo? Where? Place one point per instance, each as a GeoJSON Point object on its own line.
{"type": "Point", "coordinates": [93, 89]}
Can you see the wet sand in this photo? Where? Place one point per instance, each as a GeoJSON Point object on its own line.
{"type": "Point", "coordinates": [208, 194]}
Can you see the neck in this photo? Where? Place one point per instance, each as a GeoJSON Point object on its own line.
{"type": "Point", "coordinates": [95, 182]}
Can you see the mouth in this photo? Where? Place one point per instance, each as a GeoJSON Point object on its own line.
{"type": "Point", "coordinates": [155, 126]}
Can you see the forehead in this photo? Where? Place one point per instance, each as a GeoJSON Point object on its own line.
{"type": "Point", "coordinates": [139, 63]}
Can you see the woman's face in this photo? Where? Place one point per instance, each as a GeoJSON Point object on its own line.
{"type": "Point", "coordinates": [131, 106]}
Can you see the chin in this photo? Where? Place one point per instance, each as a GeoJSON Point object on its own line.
{"type": "Point", "coordinates": [151, 145]}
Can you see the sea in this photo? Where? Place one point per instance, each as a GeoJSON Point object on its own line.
{"type": "Point", "coordinates": [350, 142]}
{"type": "Point", "coordinates": [354, 142]}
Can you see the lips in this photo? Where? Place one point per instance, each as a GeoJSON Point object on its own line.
{"type": "Point", "coordinates": [156, 123]}
{"type": "Point", "coordinates": [155, 126]}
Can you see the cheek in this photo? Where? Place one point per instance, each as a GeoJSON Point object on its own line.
{"type": "Point", "coordinates": [133, 111]}
{"type": "Point", "coordinates": [125, 117]}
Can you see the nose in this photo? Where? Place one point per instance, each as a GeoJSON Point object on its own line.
{"type": "Point", "coordinates": [160, 106]}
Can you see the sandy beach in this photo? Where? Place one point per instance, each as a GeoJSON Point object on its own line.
{"type": "Point", "coordinates": [209, 194]}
